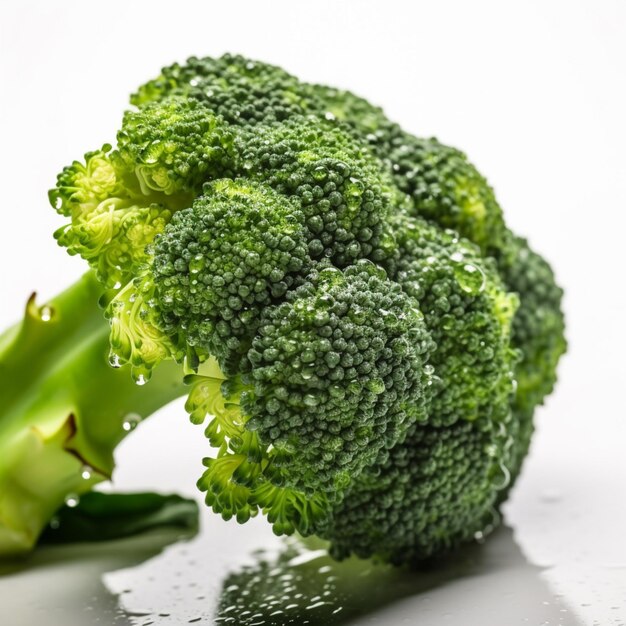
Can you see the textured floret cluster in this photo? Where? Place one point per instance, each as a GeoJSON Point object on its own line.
{"type": "Point", "coordinates": [219, 263]}
{"type": "Point", "coordinates": [338, 373]}
{"type": "Point", "coordinates": [382, 337]}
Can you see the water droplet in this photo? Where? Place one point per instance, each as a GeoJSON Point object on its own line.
{"type": "Point", "coordinates": [471, 278]}
{"type": "Point", "coordinates": [196, 264]}
{"type": "Point", "coordinates": [503, 478]}
{"type": "Point", "coordinates": [311, 400]}
{"type": "Point", "coordinates": [86, 472]}
{"type": "Point", "coordinates": [45, 313]}
{"type": "Point", "coordinates": [321, 318]}
{"type": "Point", "coordinates": [307, 356]}
{"type": "Point", "coordinates": [54, 523]}
{"type": "Point", "coordinates": [389, 318]}
{"type": "Point", "coordinates": [307, 373]}
{"type": "Point", "coordinates": [114, 360]}
{"type": "Point", "coordinates": [72, 500]}
{"type": "Point", "coordinates": [376, 385]}
{"type": "Point", "coordinates": [131, 421]}
{"type": "Point", "coordinates": [491, 450]}
{"type": "Point", "coordinates": [320, 173]}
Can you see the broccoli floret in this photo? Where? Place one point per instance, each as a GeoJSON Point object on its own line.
{"type": "Point", "coordinates": [337, 373]}
{"type": "Point", "coordinates": [538, 325]}
{"type": "Point", "coordinates": [172, 146]}
{"type": "Point", "coordinates": [537, 332]}
{"type": "Point", "coordinates": [220, 262]}
{"type": "Point", "coordinates": [446, 188]}
{"type": "Point", "coordinates": [336, 377]}
{"type": "Point", "coordinates": [437, 490]}
{"type": "Point", "coordinates": [438, 486]}
{"type": "Point", "coordinates": [363, 336]}
{"type": "Point", "coordinates": [468, 312]}
{"type": "Point", "coordinates": [342, 189]}
{"type": "Point", "coordinates": [440, 182]}
{"type": "Point", "coordinates": [242, 91]}
{"type": "Point", "coordinates": [120, 199]}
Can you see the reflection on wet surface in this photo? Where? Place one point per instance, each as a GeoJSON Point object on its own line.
{"type": "Point", "coordinates": [62, 585]}
{"type": "Point", "coordinates": [303, 586]}
{"type": "Point", "coordinates": [293, 583]}
{"type": "Point", "coordinates": [222, 577]}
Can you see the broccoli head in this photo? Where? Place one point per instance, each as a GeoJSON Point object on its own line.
{"type": "Point", "coordinates": [362, 336]}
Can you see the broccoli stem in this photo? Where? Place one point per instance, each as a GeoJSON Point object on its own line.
{"type": "Point", "coordinates": [63, 409]}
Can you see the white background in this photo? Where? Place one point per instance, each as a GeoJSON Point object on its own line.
{"type": "Point", "coordinates": [534, 92]}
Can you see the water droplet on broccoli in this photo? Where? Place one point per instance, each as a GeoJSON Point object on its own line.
{"type": "Point", "coordinates": [131, 421]}
{"type": "Point", "coordinates": [114, 360]}
{"type": "Point", "coordinates": [72, 500]}
{"type": "Point", "coordinates": [471, 278]}
{"type": "Point", "coordinates": [45, 313]}
{"type": "Point", "coordinates": [502, 478]}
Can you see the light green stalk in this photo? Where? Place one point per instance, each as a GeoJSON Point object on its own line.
{"type": "Point", "coordinates": [63, 409]}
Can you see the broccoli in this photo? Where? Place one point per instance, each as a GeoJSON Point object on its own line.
{"type": "Point", "coordinates": [342, 303]}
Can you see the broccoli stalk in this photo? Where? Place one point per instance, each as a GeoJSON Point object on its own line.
{"type": "Point", "coordinates": [63, 409]}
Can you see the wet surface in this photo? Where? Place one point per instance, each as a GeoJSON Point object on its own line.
{"type": "Point", "coordinates": [478, 585]}
{"type": "Point", "coordinates": [144, 581]}
{"type": "Point", "coordinates": [63, 584]}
